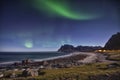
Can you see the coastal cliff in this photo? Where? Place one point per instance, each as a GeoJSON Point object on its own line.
{"type": "Point", "coordinates": [113, 43]}
{"type": "Point", "coordinates": [66, 48]}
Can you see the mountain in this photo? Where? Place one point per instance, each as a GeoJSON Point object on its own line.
{"type": "Point", "coordinates": [70, 48]}
{"type": "Point", "coordinates": [113, 43]}
{"type": "Point", "coordinates": [66, 48]}
{"type": "Point", "coordinates": [87, 48]}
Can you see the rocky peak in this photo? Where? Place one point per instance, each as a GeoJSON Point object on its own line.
{"type": "Point", "coordinates": [66, 48]}
{"type": "Point", "coordinates": [113, 43]}
{"type": "Point", "coordinates": [70, 48]}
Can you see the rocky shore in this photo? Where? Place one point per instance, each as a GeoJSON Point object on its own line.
{"type": "Point", "coordinates": [60, 62]}
{"type": "Point", "coordinates": [28, 67]}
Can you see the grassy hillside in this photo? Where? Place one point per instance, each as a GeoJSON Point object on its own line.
{"type": "Point", "coordinates": [83, 72]}
{"type": "Point", "coordinates": [114, 56]}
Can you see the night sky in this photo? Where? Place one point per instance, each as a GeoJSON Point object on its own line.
{"type": "Point", "coordinates": [45, 25]}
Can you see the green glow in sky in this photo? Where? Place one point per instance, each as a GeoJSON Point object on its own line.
{"type": "Point", "coordinates": [28, 44]}
{"type": "Point", "coordinates": [58, 8]}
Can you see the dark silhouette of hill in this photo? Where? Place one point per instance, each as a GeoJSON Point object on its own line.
{"type": "Point", "coordinates": [87, 48]}
{"type": "Point", "coordinates": [113, 43]}
{"type": "Point", "coordinates": [66, 48]}
{"type": "Point", "coordinates": [70, 48]}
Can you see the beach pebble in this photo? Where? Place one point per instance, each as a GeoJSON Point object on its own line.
{"type": "Point", "coordinates": [1, 75]}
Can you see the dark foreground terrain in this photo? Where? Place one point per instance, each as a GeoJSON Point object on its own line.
{"type": "Point", "coordinates": [89, 71]}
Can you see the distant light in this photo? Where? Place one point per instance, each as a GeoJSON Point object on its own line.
{"type": "Point", "coordinates": [100, 50]}
{"type": "Point", "coordinates": [104, 50]}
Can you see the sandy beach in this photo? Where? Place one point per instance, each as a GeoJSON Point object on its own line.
{"type": "Point", "coordinates": [91, 57]}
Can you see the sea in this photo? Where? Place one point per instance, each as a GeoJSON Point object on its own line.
{"type": "Point", "coordinates": [10, 57]}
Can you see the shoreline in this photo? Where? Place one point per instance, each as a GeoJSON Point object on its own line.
{"type": "Point", "coordinates": [48, 59]}
{"type": "Point", "coordinates": [68, 60]}
{"type": "Point", "coordinates": [74, 62]}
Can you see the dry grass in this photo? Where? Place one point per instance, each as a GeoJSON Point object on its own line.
{"type": "Point", "coordinates": [83, 72]}
{"type": "Point", "coordinates": [114, 56]}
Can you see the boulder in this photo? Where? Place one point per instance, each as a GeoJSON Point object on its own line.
{"type": "Point", "coordinates": [30, 72]}
{"type": "Point", "coordinates": [26, 61]}
{"type": "Point", "coordinates": [113, 65]}
{"type": "Point", "coordinates": [1, 75]}
{"type": "Point", "coordinates": [13, 75]}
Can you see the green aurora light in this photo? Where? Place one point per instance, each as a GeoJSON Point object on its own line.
{"type": "Point", "coordinates": [56, 7]}
{"type": "Point", "coordinates": [28, 44]}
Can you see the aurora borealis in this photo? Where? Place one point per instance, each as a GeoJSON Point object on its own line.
{"type": "Point", "coordinates": [45, 25]}
{"type": "Point", "coordinates": [28, 44]}
{"type": "Point", "coordinates": [56, 7]}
